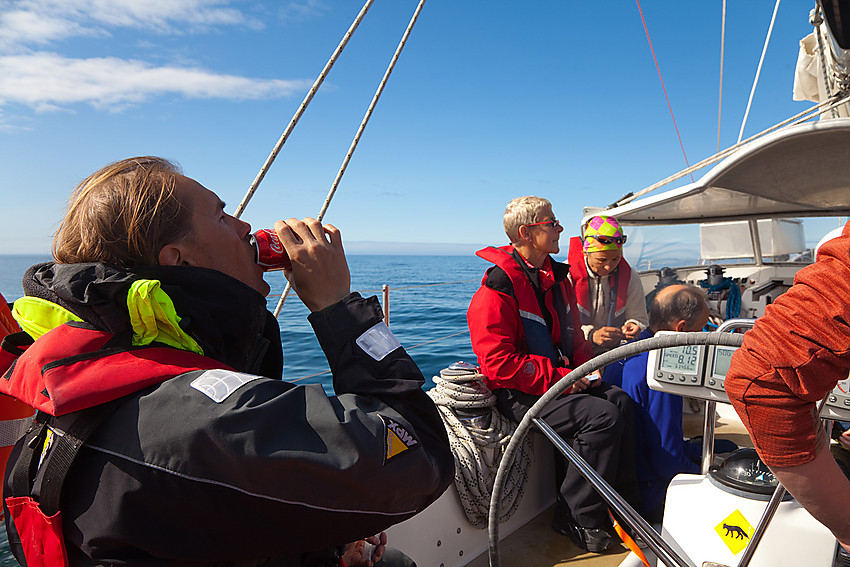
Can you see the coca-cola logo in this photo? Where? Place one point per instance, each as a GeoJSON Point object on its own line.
{"type": "Point", "coordinates": [275, 243]}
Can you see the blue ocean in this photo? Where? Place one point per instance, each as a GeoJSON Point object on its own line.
{"type": "Point", "coordinates": [428, 297]}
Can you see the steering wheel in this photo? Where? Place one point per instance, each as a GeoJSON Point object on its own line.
{"type": "Point", "coordinates": [661, 549]}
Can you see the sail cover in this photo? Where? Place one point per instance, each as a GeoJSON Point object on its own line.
{"type": "Point", "coordinates": [798, 171]}
{"type": "Point", "coordinates": [830, 46]}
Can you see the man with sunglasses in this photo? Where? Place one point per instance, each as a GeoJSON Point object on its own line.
{"type": "Point", "coordinates": [609, 293]}
{"type": "Point", "coordinates": [524, 328]}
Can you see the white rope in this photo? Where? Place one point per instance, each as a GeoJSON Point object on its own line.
{"type": "Point", "coordinates": [478, 444]}
{"type": "Point", "coordinates": [359, 133]}
{"type": "Point", "coordinates": [319, 80]}
{"type": "Point", "coordinates": [758, 70]}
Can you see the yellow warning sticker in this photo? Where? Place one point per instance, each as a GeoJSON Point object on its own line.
{"type": "Point", "coordinates": [398, 438]}
{"type": "Point", "coordinates": [735, 531]}
{"type": "Point", "coordinates": [394, 444]}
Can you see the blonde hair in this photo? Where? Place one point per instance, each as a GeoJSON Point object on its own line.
{"type": "Point", "coordinates": [123, 215]}
{"type": "Point", "coordinates": [520, 211]}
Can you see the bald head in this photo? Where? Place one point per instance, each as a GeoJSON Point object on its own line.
{"type": "Point", "coordinates": [678, 308]}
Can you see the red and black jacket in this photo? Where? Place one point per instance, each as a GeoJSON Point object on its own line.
{"type": "Point", "coordinates": [519, 330]}
{"type": "Point", "coordinates": [229, 465]}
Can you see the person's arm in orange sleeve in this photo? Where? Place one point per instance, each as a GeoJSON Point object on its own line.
{"type": "Point", "coordinates": [791, 359]}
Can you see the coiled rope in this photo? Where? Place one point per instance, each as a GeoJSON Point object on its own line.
{"type": "Point", "coordinates": [478, 439]}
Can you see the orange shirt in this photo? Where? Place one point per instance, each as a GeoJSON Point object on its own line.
{"type": "Point", "coordinates": [793, 357]}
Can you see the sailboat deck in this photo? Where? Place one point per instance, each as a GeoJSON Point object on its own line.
{"type": "Point", "coordinates": [537, 545]}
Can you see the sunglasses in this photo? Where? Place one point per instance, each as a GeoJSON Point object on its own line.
{"type": "Point", "coordinates": [554, 223]}
{"type": "Point", "coordinates": [608, 239]}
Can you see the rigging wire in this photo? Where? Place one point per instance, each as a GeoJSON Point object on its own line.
{"type": "Point", "coordinates": [758, 70]}
{"type": "Point", "coordinates": [658, 68]}
{"type": "Point", "coordinates": [359, 133]}
{"type": "Point", "coordinates": [319, 80]}
{"type": "Point", "coordinates": [369, 111]}
{"type": "Point", "coordinates": [722, 50]}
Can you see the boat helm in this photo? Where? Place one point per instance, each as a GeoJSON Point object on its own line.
{"type": "Point", "coordinates": [744, 474]}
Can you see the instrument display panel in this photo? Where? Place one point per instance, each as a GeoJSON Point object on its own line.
{"type": "Point", "coordinates": [676, 367]}
{"type": "Point", "coordinates": [699, 371]}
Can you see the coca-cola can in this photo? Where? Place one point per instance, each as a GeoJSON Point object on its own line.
{"type": "Point", "coordinates": [270, 254]}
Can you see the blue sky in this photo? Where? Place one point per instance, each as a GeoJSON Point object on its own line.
{"type": "Point", "coordinates": [489, 100]}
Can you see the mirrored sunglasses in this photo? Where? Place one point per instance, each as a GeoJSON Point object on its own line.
{"type": "Point", "coordinates": [608, 239]}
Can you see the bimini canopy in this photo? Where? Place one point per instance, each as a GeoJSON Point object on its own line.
{"type": "Point", "coordinates": [799, 171]}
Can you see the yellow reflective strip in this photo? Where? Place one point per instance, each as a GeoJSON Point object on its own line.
{"type": "Point", "coordinates": [154, 318]}
{"type": "Point", "coordinates": [38, 316]}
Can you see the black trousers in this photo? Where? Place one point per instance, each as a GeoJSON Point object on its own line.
{"type": "Point", "coordinates": [598, 425]}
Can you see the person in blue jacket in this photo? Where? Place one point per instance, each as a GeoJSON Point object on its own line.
{"type": "Point", "coordinates": [661, 450]}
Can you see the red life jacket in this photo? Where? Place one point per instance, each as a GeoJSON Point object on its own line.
{"type": "Point", "coordinates": [538, 336]}
{"type": "Point", "coordinates": [72, 368]}
{"type": "Point", "coordinates": [15, 416]}
{"type": "Point", "coordinates": [618, 281]}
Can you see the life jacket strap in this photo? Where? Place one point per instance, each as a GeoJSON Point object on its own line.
{"type": "Point", "coordinates": [36, 538]}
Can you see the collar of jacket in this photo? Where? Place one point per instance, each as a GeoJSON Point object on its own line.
{"type": "Point", "coordinates": [559, 270]}
{"type": "Point", "coordinates": [195, 309]}
{"type": "Point", "coordinates": [594, 276]}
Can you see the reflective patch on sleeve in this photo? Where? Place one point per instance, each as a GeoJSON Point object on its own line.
{"type": "Point", "coordinates": [378, 341]}
{"type": "Point", "coordinates": [397, 438]}
{"type": "Point", "coordinates": [218, 384]}
{"type": "Point", "coordinates": [532, 316]}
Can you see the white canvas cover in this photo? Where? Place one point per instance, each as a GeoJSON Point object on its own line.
{"type": "Point", "coordinates": [726, 240]}
{"type": "Point", "coordinates": [808, 75]}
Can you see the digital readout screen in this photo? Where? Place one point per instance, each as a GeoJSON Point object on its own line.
{"type": "Point", "coordinates": [721, 362]}
{"type": "Point", "coordinates": [682, 359]}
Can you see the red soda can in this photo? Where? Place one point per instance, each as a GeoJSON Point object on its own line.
{"type": "Point", "coordinates": [269, 251]}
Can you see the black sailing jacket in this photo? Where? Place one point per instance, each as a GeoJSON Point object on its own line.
{"type": "Point", "coordinates": [235, 466]}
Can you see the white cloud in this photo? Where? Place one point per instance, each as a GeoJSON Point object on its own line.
{"type": "Point", "coordinates": [160, 14]}
{"type": "Point", "coordinates": [36, 76]}
{"type": "Point", "coordinates": [302, 10]}
{"type": "Point", "coordinates": [46, 81]}
{"type": "Point", "coordinates": [22, 27]}
{"type": "Point", "coordinates": [36, 22]}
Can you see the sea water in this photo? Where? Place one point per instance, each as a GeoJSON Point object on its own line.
{"type": "Point", "coordinates": [427, 301]}
{"type": "Point", "coordinates": [428, 297]}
